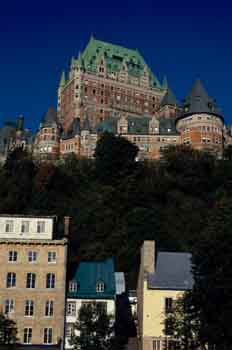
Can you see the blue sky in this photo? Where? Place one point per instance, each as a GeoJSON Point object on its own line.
{"type": "Point", "coordinates": [184, 40]}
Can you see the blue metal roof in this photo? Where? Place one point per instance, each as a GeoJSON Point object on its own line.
{"type": "Point", "coordinates": [172, 272]}
{"type": "Point", "coordinates": [88, 274]}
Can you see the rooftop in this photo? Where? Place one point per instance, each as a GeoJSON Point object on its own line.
{"type": "Point", "coordinates": [172, 272]}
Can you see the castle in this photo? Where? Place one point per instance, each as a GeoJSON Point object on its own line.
{"type": "Point", "coordinates": [111, 88]}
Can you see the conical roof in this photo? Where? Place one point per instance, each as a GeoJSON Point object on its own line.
{"type": "Point", "coordinates": [198, 101]}
{"type": "Point", "coordinates": [86, 124]}
{"type": "Point", "coordinates": [169, 99]}
{"type": "Point", "coordinates": [50, 117]}
{"type": "Point", "coordinates": [62, 79]}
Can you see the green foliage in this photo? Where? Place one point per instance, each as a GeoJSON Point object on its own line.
{"type": "Point", "coordinates": [94, 330]}
{"type": "Point", "coordinates": [115, 157]}
{"type": "Point", "coordinates": [185, 324]}
{"type": "Point", "coordinates": [8, 331]}
{"type": "Point", "coordinates": [115, 203]}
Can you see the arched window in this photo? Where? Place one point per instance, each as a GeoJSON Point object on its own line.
{"type": "Point", "coordinates": [100, 286]}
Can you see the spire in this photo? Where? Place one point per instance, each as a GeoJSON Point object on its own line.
{"type": "Point", "coordinates": [49, 118]}
{"type": "Point", "coordinates": [72, 61]}
{"type": "Point", "coordinates": [62, 79]}
{"type": "Point", "coordinates": [169, 99]}
{"type": "Point", "coordinates": [198, 101]}
{"type": "Point", "coordinates": [165, 83]}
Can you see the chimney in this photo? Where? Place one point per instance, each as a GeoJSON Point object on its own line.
{"type": "Point", "coordinates": [148, 256]}
{"type": "Point", "coordinates": [66, 226]}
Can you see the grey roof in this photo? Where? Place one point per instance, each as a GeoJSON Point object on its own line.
{"type": "Point", "coordinates": [50, 117]}
{"type": "Point", "coordinates": [107, 125]}
{"type": "Point", "coordinates": [172, 272]}
{"type": "Point", "coordinates": [198, 101]}
{"type": "Point", "coordinates": [138, 125]}
{"type": "Point", "coordinates": [169, 99]}
{"type": "Point", "coordinates": [73, 130]}
{"type": "Point", "coordinates": [167, 126]}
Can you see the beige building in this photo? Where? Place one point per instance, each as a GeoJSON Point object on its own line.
{"type": "Point", "coordinates": [163, 276]}
{"type": "Point", "coordinates": [32, 277]}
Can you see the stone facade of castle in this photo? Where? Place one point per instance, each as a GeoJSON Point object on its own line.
{"type": "Point", "coordinates": [111, 88]}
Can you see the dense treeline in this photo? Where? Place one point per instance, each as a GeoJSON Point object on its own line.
{"type": "Point", "coordinates": [115, 202]}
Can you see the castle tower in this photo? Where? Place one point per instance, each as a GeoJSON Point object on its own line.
{"type": "Point", "coordinates": [201, 123]}
{"type": "Point", "coordinates": [168, 105]}
{"type": "Point", "coordinates": [48, 137]}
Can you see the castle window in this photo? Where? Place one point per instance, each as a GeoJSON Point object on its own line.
{"type": "Point", "coordinates": [52, 257]}
{"type": "Point", "coordinates": [32, 256]}
{"type": "Point", "coordinates": [40, 227]}
{"type": "Point", "coordinates": [100, 286]}
{"type": "Point", "coordinates": [94, 91]}
{"type": "Point", "coordinates": [47, 335]}
{"type": "Point", "coordinates": [102, 101]}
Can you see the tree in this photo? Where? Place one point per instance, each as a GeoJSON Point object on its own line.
{"type": "Point", "coordinates": [8, 331]}
{"type": "Point", "coordinates": [94, 330]}
{"type": "Point", "coordinates": [184, 323]}
{"type": "Point", "coordinates": [114, 156]}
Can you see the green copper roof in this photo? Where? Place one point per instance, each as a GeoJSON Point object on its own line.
{"type": "Point", "coordinates": [62, 79]}
{"type": "Point", "coordinates": [88, 274]}
{"type": "Point", "coordinates": [116, 57]}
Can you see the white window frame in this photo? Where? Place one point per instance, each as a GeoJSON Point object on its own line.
{"type": "Point", "coordinates": [48, 334]}
{"type": "Point", "coordinates": [31, 280]}
{"type": "Point", "coordinates": [52, 257]}
{"type": "Point", "coordinates": [49, 308]}
{"type": "Point", "coordinates": [71, 308]}
{"type": "Point", "coordinates": [100, 287]}
{"type": "Point", "coordinates": [50, 280]}
{"type": "Point", "coordinates": [29, 308]}
{"type": "Point", "coordinates": [25, 226]}
{"type": "Point", "coordinates": [9, 306]}
{"type": "Point", "coordinates": [73, 286]}
{"type": "Point", "coordinates": [32, 256]}
{"type": "Point", "coordinates": [27, 335]}
{"type": "Point", "coordinates": [40, 226]}
{"type": "Point", "coordinates": [13, 256]}
{"type": "Point", "coordinates": [11, 277]}
{"type": "Point", "coordinates": [9, 226]}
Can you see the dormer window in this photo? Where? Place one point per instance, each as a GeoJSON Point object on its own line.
{"type": "Point", "coordinates": [100, 286]}
{"type": "Point", "coordinates": [73, 286]}
{"type": "Point", "coordinates": [9, 226]}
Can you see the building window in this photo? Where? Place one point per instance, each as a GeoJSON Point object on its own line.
{"type": "Point", "coordinates": [51, 257]}
{"type": "Point", "coordinates": [69, 332]}
{"type": "Point", "coordinates": [9, 226]}
{"type": "Point", "coordinates": [49, 308]}
{"type": "Point", "coordinates": [11, 280]}
{"type": "Point", "coordinates": [157, 345]}
{"type": "Point", "coordinates": [168, 305]}
{"type": "Point", "coordinates": [25, 227]}
{"type": "Point", "coordinates": [71, 309]}
{"type": "Point", "coordinates": [31, 277]}
{"type": "Point", "coordinates": [73, 286]}
{"type": "Point", "coordinates": [168, 327]}
{"type": "Point", "coordinates": [29, 308]}
{"type": "Point", "coordinates": [32, 256]}
{"type": "Point", "coordinates": [40, 227]}
{"type": "Point", "coordinates": [50, 280]}
{"type": "Point", "coordinates": [100, 287]}
{"type": "Point", "coordinates": [12, 256]}
{"type": "Point", "coordinates": [27, 336]}
{"type": "Point", "coordinates": [47, 335]}
{"type": "Point", "coordinates": [9, 306]}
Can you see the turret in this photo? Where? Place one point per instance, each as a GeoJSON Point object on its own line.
{"type": "Point", "coordinates": [201, 123]}
{"type": "Point", "coordinates": [168, 105]}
